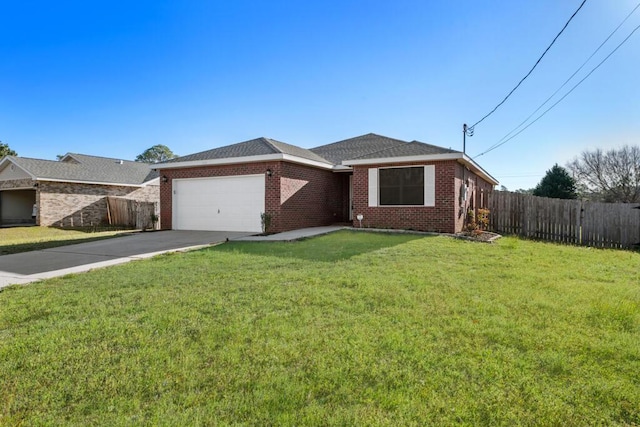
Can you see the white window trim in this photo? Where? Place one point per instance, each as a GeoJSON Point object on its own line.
{"type": "Point", "coordinates": [373, 187]}
{"type": "Point", "coordinates": [429, 187]}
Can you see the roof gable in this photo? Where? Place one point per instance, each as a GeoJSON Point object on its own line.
{"type": "Point", "coordinates": [356, 147]}
{"type": "Point", "coordinates": [294, 150]}
{"type": "Point", "coordinates": [413, 148]}
{"type": "Point", "coordinates": [373, 146]}
{"type": "Point", "coordinates": [9, 170]}
{"type": "Point", "coordinates": [68, 158]}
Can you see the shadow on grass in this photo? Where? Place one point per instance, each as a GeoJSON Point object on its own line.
{"type": "Point", "coordinates": [332, 247]}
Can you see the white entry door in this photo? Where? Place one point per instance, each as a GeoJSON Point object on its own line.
{"type": "Point", "coordinates": [227, 203]}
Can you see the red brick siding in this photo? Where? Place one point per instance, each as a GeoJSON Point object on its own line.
{"type": "Point", "coordinates": [476, 194]}
{"type": "Point", "coordinates": [317, 202]}
{"type": "Point", "coordinates": [444, 217]}
{"type": "Point", "coordinates": [324, 197]}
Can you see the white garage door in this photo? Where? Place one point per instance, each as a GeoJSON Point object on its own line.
{"type": "Point", "coordinates": [228, 203]}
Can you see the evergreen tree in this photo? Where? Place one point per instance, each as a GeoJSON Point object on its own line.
{"type": "Point", "coordinates": [557, 184]}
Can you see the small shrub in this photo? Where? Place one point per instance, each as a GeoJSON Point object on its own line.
{"type": "Point", "coordinates": [476, 224]}
{"type": "Point", "coordinates": [482, 219]}
{"type": "Point", "coordinates": [265, 220]}
{"type": "Point", "coordinates": [154, 220]}
{"type": "Point", "coordinates": [471, 221]}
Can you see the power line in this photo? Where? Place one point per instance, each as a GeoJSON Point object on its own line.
{"type": "Point", "coordinates": [533, 68]}
{"type": "Point", "coordinates": [568, 80]}
{"type": "Point", "coordinates": [563, 97]}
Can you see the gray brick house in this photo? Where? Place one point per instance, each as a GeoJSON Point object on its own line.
{"type": "Point", "coordinates": [70, 192]}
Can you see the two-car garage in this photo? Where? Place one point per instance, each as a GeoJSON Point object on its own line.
{"type": "Point", "coordinates": [225, 203]}
{"type": "Point", "coordinates": [238, 187]}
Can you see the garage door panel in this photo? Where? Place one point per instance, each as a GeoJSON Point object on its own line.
{"type": "Point", "coordinates": [231, 203]}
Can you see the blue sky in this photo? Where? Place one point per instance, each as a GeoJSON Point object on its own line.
{"type": "Point", "coordinates": [113, 78]}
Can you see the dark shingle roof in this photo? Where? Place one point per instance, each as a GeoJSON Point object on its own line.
{"type": "Point", "coordinates": [413, 148]}
{"type": "Point", "coordinates": [255, 147]}
{"type": "Point", "coordinates": [357, 147]}
{"type": "Point", "coordinates": [369, 146]}
{"type": "Point", "coordinates": [84, 168]}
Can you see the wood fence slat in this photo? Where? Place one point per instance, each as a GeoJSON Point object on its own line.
{"type": "Point", "coordinates": [131, 213]}
{"type": "Point", "coordinates": [608, 225]}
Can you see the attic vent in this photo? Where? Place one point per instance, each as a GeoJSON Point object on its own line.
{"type": "Point", "coordinates": [120, 162]}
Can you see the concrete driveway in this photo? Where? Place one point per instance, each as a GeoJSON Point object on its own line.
{"type": "Point", "coordinates": [31, 266]}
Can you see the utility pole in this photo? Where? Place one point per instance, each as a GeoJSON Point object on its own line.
{"type": "Point", "coordinates": [465, 131]}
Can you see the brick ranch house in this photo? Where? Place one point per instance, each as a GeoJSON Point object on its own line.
{"type": "Point", "coordinates": [72, 191]}
{"type": "Point", "coordinates": [386, 182]}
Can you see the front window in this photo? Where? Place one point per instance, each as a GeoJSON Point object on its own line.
{"type": "Point", "coordinates": [401, 186]}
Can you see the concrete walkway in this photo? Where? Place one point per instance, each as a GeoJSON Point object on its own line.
{"type": "Point", "coordinates": [288, 236]}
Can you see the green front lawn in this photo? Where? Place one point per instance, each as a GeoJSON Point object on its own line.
{"type": "Point", "coordinates": [24, 239]}
{"type": "Point", "coordinates": [350, 328]}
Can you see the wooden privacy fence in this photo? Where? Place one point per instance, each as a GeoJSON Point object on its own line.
{"type": "Point", "coordinates": [131, 213]}
{"type": "Point", "coordinates": [607, 225]}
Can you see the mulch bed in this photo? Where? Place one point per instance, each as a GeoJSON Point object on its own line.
{"type": "Point", "coordinates": [482, 236]}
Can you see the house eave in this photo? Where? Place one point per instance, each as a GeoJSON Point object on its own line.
{"type": "Point", "coordinates": [459, 157]}
{"type": "Point", "coordinates": [404, 159]}
{"type": "Point", "coordinates": [23, 187]}
{"type": "Point", "coordinates": [477, 169]}
{"type": "Point", "coordinates": [245, 159]}
{"type": "Point", "coordinates": [342, 168]}
{"type": "Point", "coordinates": [154, 181]}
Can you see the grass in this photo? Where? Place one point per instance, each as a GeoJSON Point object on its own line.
{"type": "Point", "coordinates": [24, 239]}
{"type": "Point", "coordinates": [345, 329]}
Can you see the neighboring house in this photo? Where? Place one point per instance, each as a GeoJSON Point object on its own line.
{"type": "Point", "coordinates": [386, 182]}
{"type": "Point", "coordinates": [70, 192]}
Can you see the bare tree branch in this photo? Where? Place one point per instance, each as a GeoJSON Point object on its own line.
{"type": "Point", "coordinates": [612, 176]}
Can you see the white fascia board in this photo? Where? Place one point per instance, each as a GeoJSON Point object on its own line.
{"type": "Point", "coordinates": [246, 159]}
{"type": "Point", "coordinates": [216, 162]}
{"type": "Point", "coordinates": [8, 159]}
{"type": "Point", "coordinates": [460, 157]}
{"type": "Point", "coordinates": [308, 162]}
{"type": "Point", "coordinates": [72, 181]}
